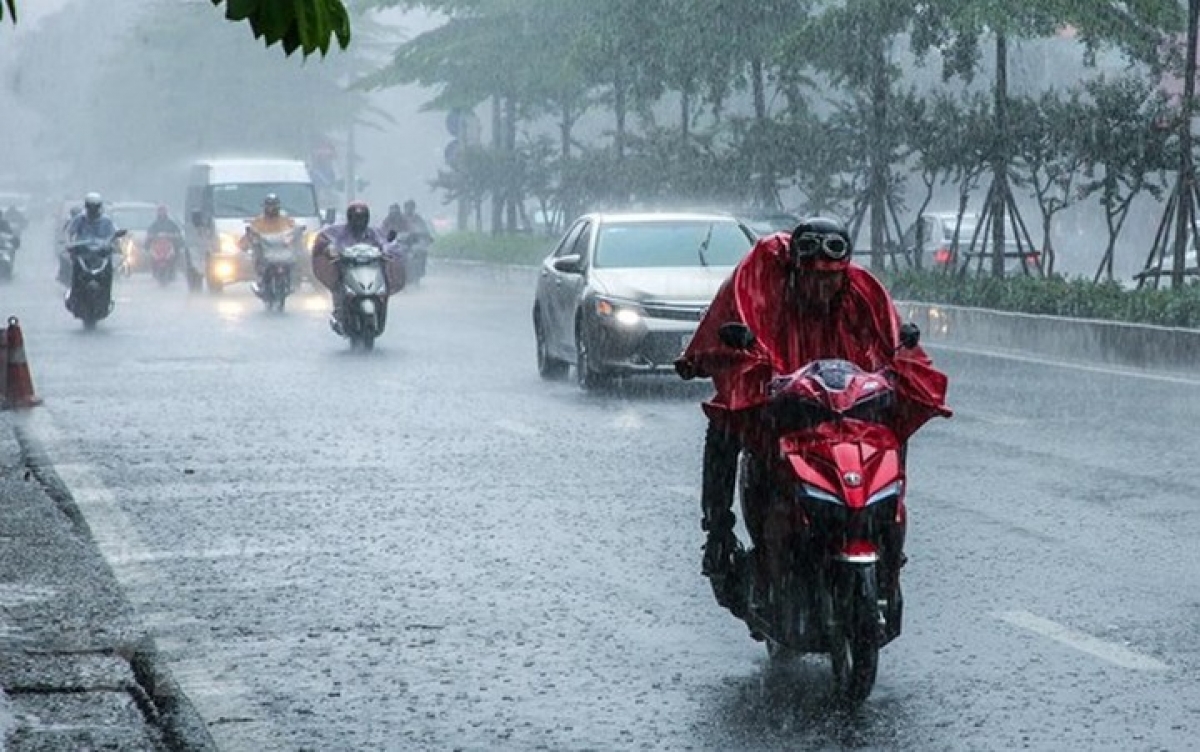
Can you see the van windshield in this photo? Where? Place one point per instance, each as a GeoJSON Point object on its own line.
{"type": "Point", "coordinates": [243, 200]}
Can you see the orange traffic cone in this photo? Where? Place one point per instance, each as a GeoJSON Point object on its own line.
{"type": "Point", "coordinates": [18, 389]}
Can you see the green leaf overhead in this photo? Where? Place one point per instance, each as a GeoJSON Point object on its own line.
{"type": "Point", "coordinates": [305, 25]}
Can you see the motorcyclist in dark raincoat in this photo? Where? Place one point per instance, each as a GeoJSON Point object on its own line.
{"type": "Point", "coordinates": [804, 300]}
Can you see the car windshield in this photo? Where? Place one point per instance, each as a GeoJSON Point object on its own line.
{"type": "Point", "coordinates": [766, 225]}
{"type": "Point", "coordinates": [133, 217]}
{"type": "Point", "coordinates": [242, 200]}
{"type": "Point", "coordinates": [682, 243]}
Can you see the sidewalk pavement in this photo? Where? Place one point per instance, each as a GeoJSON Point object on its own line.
{"type": "Point", "coordinates": [76, 669]}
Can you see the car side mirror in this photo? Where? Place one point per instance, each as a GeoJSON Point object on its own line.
{"type": "Point", "coordinates": [120, 233]}
{"type": "Point", "coordinates": [569, 264]}
{"type": "Point", "coordinates": [737, 335]}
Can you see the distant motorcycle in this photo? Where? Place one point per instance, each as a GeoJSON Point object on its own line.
{"type": "Point", "coordinates": [90, 295]}
{"type": "Point", "coordinates": [275, 257]}
{"type": "Point", "coordinates": [9, 243]}
{"type": "Point", "coordinates": [416, 248]}
{"type": "Point", "coordinates": [163, 257]}
{"type": "Point", "coordinates": [368, 276]}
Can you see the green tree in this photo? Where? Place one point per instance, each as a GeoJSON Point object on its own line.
{"type": "Point", "coordinates": [1047, 142]}
{"type": "Point", "coordinates": [957, 28]}
{"type": "Point", "coordinates": [306, 25]}
{"type": "Point", "coordinates": [1124, 151]}
{"type": "Point", "coordinates": [134, 121]}
{"type": "Point", "coordinates": [852, 43]}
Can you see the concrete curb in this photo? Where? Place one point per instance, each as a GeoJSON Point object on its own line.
{"type": "Point", "coordinates": [1090, 340]}
{"type": "Point", "coordinates": [1103, 342]}
{"type": "Point", "coordinates": [169, 710]}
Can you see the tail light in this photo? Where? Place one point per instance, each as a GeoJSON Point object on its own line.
{"type": "Point", "coordinates": [942, 256]}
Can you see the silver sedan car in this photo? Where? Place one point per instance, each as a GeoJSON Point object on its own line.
{"type": "Point", "coordinates": [622, 293]}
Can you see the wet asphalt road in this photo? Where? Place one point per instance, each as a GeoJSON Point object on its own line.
{"type": "Point", "coordinates": [426, 547]}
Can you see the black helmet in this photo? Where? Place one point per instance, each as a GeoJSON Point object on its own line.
{"type": "Point", "coordinates": [358, 216]}
{"type": "Point", "coordinates": [820, 243]}
{"type": "Point", "coordinates": [271, 205]}
{"type": "Point", "coordinates": [93, 205]}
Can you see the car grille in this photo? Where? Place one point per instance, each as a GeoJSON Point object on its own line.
{"type": "Point", "coordinates": [674, 311]}
{"type": "Point", "coordinates": [662, 348]}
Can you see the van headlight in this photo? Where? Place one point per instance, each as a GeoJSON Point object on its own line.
{"type": "Point", "coordinates": [622, 312]}
{"type": "Point", "coordinates": [229, 244]}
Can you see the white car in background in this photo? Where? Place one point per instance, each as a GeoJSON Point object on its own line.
{"type": "Point", "coordinates": [623, 293]}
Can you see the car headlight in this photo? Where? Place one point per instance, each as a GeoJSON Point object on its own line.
{"type": "Point", "coordinates": [229, 243]}
{"type": "Point", "coordinates": [620, 311]}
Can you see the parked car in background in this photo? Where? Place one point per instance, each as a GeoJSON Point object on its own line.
{"type": "Point", "coordinates": [623, 293]}
{"type": "Point", "coordinates": [929, 243]}
{"type": "Point", "coordinates": [766, 221]}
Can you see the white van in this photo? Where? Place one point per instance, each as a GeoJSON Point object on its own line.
{"type": "Point", "coordinates": [223, 195]}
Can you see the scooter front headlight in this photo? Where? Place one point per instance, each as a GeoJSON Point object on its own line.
{"type": "Point", "coordinates": [223, 270]}
{"type": "Point", "coordinates": [888, 492]}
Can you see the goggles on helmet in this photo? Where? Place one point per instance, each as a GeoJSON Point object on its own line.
{"type": "Point", "coordinates": [816, 246]}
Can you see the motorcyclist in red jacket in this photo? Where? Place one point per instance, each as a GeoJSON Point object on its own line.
{"type": "Point", "coordinates": [804, 300]}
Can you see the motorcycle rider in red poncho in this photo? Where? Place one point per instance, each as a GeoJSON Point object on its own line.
{"type": "Point", "coordinates": [803, 299]}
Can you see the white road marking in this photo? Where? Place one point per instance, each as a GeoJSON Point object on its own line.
{"type": "Point", "coordinates": [628, 420]}
{"type": "Point", "coordinates": [1094, 646]}
{"type": "Point", "coordinates": [119, 543]}
{"type": "Point", "coordinates": [517, 427]}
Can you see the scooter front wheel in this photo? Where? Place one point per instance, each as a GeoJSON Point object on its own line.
{"type": "Point", "coordinates": [854, 635]}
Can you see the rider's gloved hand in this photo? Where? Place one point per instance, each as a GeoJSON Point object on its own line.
{"type": "Point", "coordinates": [685, 369]}
{"type": "Point", "coordinates": [910, 335]}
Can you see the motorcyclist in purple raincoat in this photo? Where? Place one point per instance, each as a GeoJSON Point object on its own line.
{"type": "Point", "coordinates": [356, 229]}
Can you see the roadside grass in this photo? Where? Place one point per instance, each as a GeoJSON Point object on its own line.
{"type": "Point", "coordinates": [520, 249]}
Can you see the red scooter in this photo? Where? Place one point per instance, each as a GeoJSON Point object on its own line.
{"type": "Point", "coordinates": [822, 487]}
{"type": "Point", "coordinates": [162, 257]}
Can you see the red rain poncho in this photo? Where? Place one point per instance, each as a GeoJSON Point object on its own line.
{"type": "Point", "coordinates": [864, 328]}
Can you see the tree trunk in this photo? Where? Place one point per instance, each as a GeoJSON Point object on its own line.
{"type": "Point", "coordinates": [879, 156]}
{"type": "Point", "coordinates": [1000, 158]}
{"type": "Point", "coordinates": [497, 147]}
{"type": "Point", "coordinates": [1186, 207]}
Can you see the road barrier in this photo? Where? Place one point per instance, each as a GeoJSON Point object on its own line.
{"type": "Point", "coordinates": [1108, 342]}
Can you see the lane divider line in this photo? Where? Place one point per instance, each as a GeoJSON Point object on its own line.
{"type": "Point", "coordinates": [1083, 642]}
